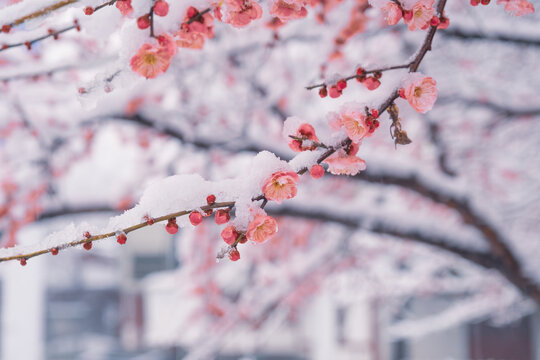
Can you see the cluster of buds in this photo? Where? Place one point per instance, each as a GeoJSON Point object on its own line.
{"type": "Point", "coordinates": [371, 120]}
{"type": "Point", "coordinates": [370, 82]}
{"type": "Point", "coordinates": [160, 8]}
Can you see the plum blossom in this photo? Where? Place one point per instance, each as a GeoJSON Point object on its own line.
{"type": "Point", "coordinates": [239, 13]}
{"type": "Point", "coordinates": [342, 163]}
{"type": "Point", "coordinates": [392, 13]}
{"type": "Point", "coordinates": [354, 123]}
{"type": "Point", "coordinates": [192, 35]}
{"type": "Point", "coordinates": [261, 228]}
{"type": "Point", "coordinates": [288, 9]}
{"type": "Point", "coordinates": [280, 186]}
{"type": "Point", "coordinates": [419, 15]}
{"type": "Point", "coordinates": [420, 92]}
{"type": "Point", "coordinates": [304, 131]}
{"type": "Point", "coordinates": [151, 60]}
{"type": "Point", "coordinates": [517, 7]}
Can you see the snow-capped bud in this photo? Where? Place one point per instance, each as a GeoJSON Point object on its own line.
{"type": "Point", "coordinates": [54, 251]}
{"type": "Point", "coordinates": [371, 83]}
{"type": "Point", "coordinates": [195, 218]}
{"type": "Point", "coordinates": [88, 10]}
{"type": "Point", "coordinates": [23, 261]}
{"type": "Point", "coordinates": [210, 199]}
{"type": "Point", "coordinates": [87, 235]}
{"type": "Point", "coordinates": [149, 221]}
{"type": "Point", "coordinates": [341, 84]}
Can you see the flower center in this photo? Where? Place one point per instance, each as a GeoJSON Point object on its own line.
{"type": "Point", "coordinates": [150, 59]}
{"type": "Point", "coordinates": [417, 91]}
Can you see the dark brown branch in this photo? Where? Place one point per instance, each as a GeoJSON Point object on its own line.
{"type": "Point", "coordinates": [29, 43]}
{"type": "Point", "coordinates": [53, 34]}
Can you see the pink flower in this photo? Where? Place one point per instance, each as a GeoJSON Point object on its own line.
{"type": "Point", "coordinates": [355, 124]}
{"type": "Point", "coordinates": [304, 131]}
{"type": "Point", "coordinates": [280, 186]}
{"type": "Point", "coordinates": [392, 13]}
{"type": "Point", "coordinates": [168, 44]}
{"type": "Point", "coordinates": [124, 6]}
{"type": "Point", "coordinates": [517, 7]}
{"type": "Point", "coordinates": [340, 163]}
{"type": "Point", "coordinates": [239, 13]}
{"type": "Point", "coordinates": [192, 35]}
{"type": "Point", "coordinates": [419, 16]}
{"type": "Point", "coordinates": [150, 61]}
{"type": "Point", "coordinates": [420, 92]}
{"type": "Point", "coordinates": [288, 9]}
{"type": "Point", "coordinates": [261, 228]}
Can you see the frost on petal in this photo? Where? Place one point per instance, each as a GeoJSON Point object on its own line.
{"type": "Point", "coordinates": [288, 9]}
{"type": "Point", "coordinates": [354, 123]}
{"type": "Point", "coordinates": [192, 35]}
{"type": "Point", "coordinates": [280, 186]}
{"type": "Point", "coordinates": [421, 16]}
{"type": "Point", "coordinates": [239, 13]}
{"type": "Point", "coordinates": [392, 13]}
{"type": "Point", "coordinates": [342, 164]}
{"type": "Point", "coordinates": [420, 92]}
{"type": "Point", "coordinates": [517, 7]}
{"type": "Point", "coordinates": [261, 228]}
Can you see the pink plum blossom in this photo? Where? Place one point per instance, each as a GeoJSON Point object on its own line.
{"type": "Point", "coordinates": [193, 35]}
{"type": "Point", "coordinates": [151, 60]}
{"type": "Point", "coordinates": [354, 123]}
{"type": "Point", "coordinates": [418, 14]}
{"type": "Point", "coordinates": [340, 163]}
{"type": "Point", "coordinates": [288, 9]}
{"type": "Point", "coordinates": [280, 186]}
{"type": "Point", "coordinates": [517, 7]}
{"type": "Point", "coordinates": [261, 228]}
{"type": "Point", "coordinates": [239, 13]}
{"type": "Point", "coordinates": [392, 13]}
{"type": "Point", "coordinates": [304, 131]}
{"type": "Point", "coordinates": [420, 92]}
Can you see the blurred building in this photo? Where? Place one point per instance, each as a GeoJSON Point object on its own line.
{"type": "Point", "coordinates": [102, 305]}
